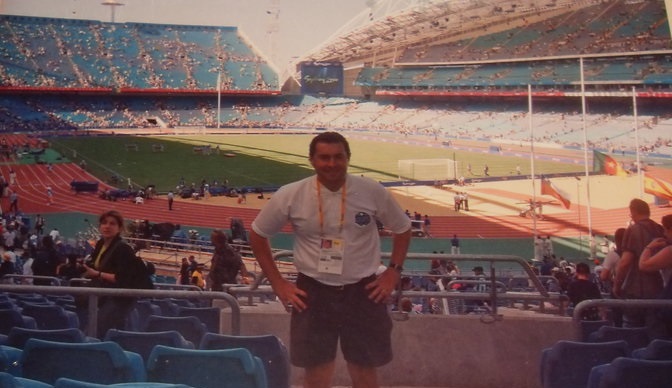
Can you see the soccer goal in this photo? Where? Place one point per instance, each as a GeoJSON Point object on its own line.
{"type": "Point", "coordinates": [427, 169]}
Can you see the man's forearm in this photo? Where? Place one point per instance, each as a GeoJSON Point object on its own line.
{"type": "Point", "coordinates": [400, 244]}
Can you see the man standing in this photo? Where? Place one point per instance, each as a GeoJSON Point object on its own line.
{"type": "Point", "coordinates": [455, 245]}
{"type": "Point", "coordinates": [629, 282]}
{"type": "Point", "coordinates": [171, 198]}
{"type": "Point", "coordinates": [337, 295]}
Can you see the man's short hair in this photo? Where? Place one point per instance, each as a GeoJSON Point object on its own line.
{"type": "Point", "coordinates": [583, 269]}
{"type": "Point", "coordinates": [330, 138]}
{"type": "Point", "coordinates": [638, 206]}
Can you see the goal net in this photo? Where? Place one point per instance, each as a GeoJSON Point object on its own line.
{"type": "Point", "coordinates": [427, 169]}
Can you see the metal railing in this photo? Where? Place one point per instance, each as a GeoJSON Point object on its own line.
{"type": "Point", "coordinates": [497, 290]}
{"type": "Point", "coordinates": [580, 308]}
{"type": "Point", "coordinates": [93, 295]}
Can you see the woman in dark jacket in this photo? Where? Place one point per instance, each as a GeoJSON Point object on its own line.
{"type": "Point", "coordinates": [114, 265]}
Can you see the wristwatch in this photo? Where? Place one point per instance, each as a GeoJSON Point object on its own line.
{"type": "Point", "coordinates": [396, 267]}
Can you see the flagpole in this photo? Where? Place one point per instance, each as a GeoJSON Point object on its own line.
{"type": "Point", "coordinates": [585, 158]}
{"type": "Point", "coordinates": [639, 170]}
{"type": "Point", "coordinates": [219, 99]}
{"type": "Point", "coordinates": [533, 206]}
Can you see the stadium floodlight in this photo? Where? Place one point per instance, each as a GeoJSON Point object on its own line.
{"type": "Point", "coordinates": [113, 4]}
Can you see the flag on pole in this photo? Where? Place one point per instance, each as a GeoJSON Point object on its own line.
{"type": "Point", "coordinates": [548, 188]}
{"type": "Point", "coordinates": [657, 187]}
{"type": "Point", "coordinates": [607, 165]}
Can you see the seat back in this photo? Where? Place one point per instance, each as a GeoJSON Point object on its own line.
{"type": "Point", "coordinates": [636, 373]}
{"type": "Point", "coordinates": [9, 381]}
{"type": "Point", "coordinates": [145, 308]}
{"type": "Point", "coordinates": [10, 318]}
{"type": "Point", "coordinates": [143, 343]}
{"type": "Point", "coordinates": [589, 327]}
{"type": "Point", "coordinates": [96, 362]}
{"type": "Point", "coordinates": [658, 349]}
{"type": "Point", "coordinates": [567, 364]}
{"type": "Point", "coordinates": [206, 368]}
{"type": "Point", "coordinates": [269, 348]}
{"type": "Point", "coordinates": [18, 336]}
{"type": "Point", "coordinates": [636, 337]}
{"type": "Point", "coordinates": [168, 308]}
{"type": "Point", "coordinates": [191, 328]}
{"type": "Point", "coordinates": [51, 316]}
{"type": "Point", "coordinates": [210, 316]}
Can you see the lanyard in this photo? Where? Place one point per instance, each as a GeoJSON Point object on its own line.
{"type": "Point", "coordinates": [321, 212]}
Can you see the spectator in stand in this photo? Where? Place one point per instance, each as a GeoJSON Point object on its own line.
{"type": "Point", "coordinates": [7, 267]}
{"type": "Point", "coordinates": [657, 255]}
{"type": "Point", "coordinates": [226, 263]}
{"type": "Point", "coordinates": [46, 261]}
{"type": "Point", "coordinates": [629, 281]}
{"type": "Point", "coordinates": [184, 272]}
{"type": "Point", "coordinates": [582, 288]}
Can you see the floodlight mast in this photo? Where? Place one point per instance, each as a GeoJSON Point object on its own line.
{"type": "Point", "coordinates": [113, 4]}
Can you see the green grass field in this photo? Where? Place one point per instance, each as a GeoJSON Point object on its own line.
{"type": "Point", "coordinates": [260, 160]}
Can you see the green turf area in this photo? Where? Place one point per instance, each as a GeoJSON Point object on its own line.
{"type": "Point", "coordinates": [260, 160]}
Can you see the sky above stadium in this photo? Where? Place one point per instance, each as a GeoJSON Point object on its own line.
{"type": "Point", "coordinates": [300, 25]}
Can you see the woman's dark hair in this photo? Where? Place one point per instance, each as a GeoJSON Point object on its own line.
{"type": "Point", "coordinates": [113, 214]}
{"type": "Point", "coordinates": [329, 138]}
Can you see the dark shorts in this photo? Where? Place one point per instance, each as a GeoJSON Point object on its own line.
{"type": "Point", "coordinates": [346, 313]}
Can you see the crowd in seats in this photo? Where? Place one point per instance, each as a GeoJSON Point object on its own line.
{"type": "Point", "coordinates": [67, 53]}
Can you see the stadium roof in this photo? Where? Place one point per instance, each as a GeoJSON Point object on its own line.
{"type": "Point", "coordinates": [376, 37]}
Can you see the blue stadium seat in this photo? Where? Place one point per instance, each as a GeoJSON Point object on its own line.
{"type": "Point", "coordinates": [9, 381]}
{"type": "Point", "coordinates": [191, 328]}
{"type": "Point", "coordinates": [51, 316]}
{"type": "Point", "coordinates": [145, 308]}
{"type": "Point", "coordinates": [18, 336]}
{"type": "Point", "coordinates": [210, 316]}
{"type": "Point", "coordinates": [167, 306]}
{"type": "Point", "coordinates": [206, 368]}
{"type": "Point", "coordinates": [9, 360]}
{"type": "Point", "coordinates": [567, 364]}
{"type": "Point", "coordinates": [269, 348]}
{"type": "Point", "coordinates": [658, 349]}
{"type": "Point", "coordinates": [143, 342]}
{"type": "Point", "coordinates": [101, 362]}
{"type": "Point", "coordinates": [10, 318]}
{"type": "Point", "coordinates": [589, 327]}
{"type": "Point", "coordinates": [624, 372]}
{"type": "Point", "coordinates": [636, 337]}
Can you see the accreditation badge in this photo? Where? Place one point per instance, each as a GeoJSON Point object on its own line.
{"type": "Point", "coordinates": [331, 256]}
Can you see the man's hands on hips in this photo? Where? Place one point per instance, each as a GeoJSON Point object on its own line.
{"type": "Point", "coordinates": [381, 289]}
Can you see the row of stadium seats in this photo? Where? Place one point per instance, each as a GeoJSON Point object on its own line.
{"type": "Point", "coordinates": [46, 52]}
{"type": "Point", "coordinates": [609, 357]}
{"type": "Point", "coordinates": [259, 361]}
{"type": "Point", "coordinates": [648, 70]}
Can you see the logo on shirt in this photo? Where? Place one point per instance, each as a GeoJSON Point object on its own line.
{"type": "Point", "coordinates": [362, 219]}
